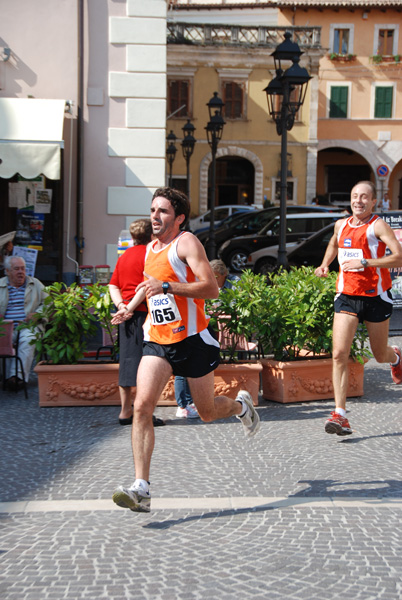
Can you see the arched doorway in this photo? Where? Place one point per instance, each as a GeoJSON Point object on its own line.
{"type": "Point", "coordinates": [338, 170]}
{"type": "Point", "coordinates": [234, 181]}
{"type": "Point", "coordinates": [252, 177]}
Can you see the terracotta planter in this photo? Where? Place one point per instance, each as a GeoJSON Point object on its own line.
{"type": "Point", "coordinates": [90, 384]}
{"type": "Point", "coordinates": [228, 380]}
{"type": "Point", "coordinates": [305, 380]}
{"type": "Point", "coordinates": [96, 383]}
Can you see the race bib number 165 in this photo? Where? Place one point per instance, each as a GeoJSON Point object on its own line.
{"type": "Point", "coordinates": [163, 309]}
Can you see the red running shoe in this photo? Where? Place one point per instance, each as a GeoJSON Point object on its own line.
{"type": "Point", "coordinates": [396, 371]}
{"type": "Point", "coordinates": [337, 424]}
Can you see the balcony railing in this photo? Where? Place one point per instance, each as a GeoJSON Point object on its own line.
{"type": "Point", "coordinates": [236, 35]}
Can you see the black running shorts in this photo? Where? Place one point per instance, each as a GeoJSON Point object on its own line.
{"type": "Point", "coordinates": [373, 310]}
{"type": "Point", "coordinates": [192, 357]}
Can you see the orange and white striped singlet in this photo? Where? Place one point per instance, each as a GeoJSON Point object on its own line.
{"type": "Point", "coordinates": [360, 241]}
{"type": "Point", "coordinates": [171, 318]}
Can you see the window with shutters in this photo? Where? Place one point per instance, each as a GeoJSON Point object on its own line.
{"type": "Point", "coordinates": [386, 39]}
{"type": "Point", "coordinates": [338, 104]}
{"type": "Point", "coordinates": [178, 98]}
{"type": "Point", "coordinates": [383, 102]}
{"type": "Point", "coordinates": [233, 94]}
{"type": "Point", "coordinates": [385, 42]}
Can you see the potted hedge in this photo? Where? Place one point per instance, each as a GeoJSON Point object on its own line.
{"type": "Point", "coordinates": [233, 317]}
{"type": "Point", "coordinates": [62, 328]}
{"type": "Point", "coordinates": [297, 336]}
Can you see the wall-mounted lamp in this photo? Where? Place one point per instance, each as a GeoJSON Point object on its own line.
{"type": "Point", "coordinates": [6, 54]}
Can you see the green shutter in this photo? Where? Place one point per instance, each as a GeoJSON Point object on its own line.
{"type": "Point", "coordinates": [383, 102]}
{"type": "Point", "coordinates": [338, 105]}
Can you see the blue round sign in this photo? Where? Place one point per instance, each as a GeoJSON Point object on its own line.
{"type": "Point", "coordinates": [382, 171]}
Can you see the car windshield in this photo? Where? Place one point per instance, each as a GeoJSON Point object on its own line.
{"type": "Point", "coordinates": [269, 226]}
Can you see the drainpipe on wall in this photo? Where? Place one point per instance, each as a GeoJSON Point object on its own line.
{"type": "Point", "coordinates": [80, 136]}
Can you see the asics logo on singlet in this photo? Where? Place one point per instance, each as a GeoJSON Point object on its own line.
{"type": "Point", "coordinates": [160, 301]}
{"type": "Point", "coordinates": [351, 254]}
{"type": "Point", "coordinates": [347, 243]}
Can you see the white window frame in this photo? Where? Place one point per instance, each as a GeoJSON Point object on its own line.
{"type": "Point", "coordinates": [373, 88]}
{"type": "Point", "coordinates": [239, 76]}
{"type": "Point", "coordinates": [186, 74]}
{"type": "Point", "coordinates": [349, 26]}
{"type": "Point", "coordinates": [332, 84]}
{"type": "Point", "coordinates": [395, 43]}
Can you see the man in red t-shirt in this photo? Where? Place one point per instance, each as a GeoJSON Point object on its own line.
{"type": "Point", "coordinates": [128, 274]}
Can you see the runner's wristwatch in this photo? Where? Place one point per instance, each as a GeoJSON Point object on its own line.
{"type": "Point", "coordinates": [165, 286]}
{"type": "Point", "coordinates": [364, 262]}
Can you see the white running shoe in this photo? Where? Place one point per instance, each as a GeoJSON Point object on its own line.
{"type": "Point", "coordinates": [251, 420]}
{"type": "Point", "coordinates": [135, 499]}
{"type": "Point", "coordinates": [189, 412]}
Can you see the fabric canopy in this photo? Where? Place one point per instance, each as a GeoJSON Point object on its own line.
{"type": "Point", "coordinates": [31, 135]}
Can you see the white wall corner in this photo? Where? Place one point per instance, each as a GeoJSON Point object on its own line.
{"type": "Point", "coordinates": [132, 30]}
{"type": "Point", "coordinates": [148, 143]}
{"type": "Point", "coordinates": [150, 8]}
{"type": "Point", "coordinates": [129, 201]}
{"type": "Point", "coordinates": [137, 85]}
{"type": "Point", "coordinates": [147, 59]}
{"type": "Point", "coordinates": [143, 113]}
{"type": "Point", "coordinates": [145, 172]}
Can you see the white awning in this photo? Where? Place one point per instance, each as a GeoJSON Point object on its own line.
{"type": "Point", "coordinates": [31, 135]}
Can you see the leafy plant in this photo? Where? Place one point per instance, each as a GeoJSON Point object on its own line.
{"type": "Point", "coordinates": [238, 310]}
{"type": "Point", "coordinates": [376, 58]}
{"type": "Point", "coordinates": [289, 318]}
{"type": "Point", "coordinates": [100, 302]}
{"type": "Point", "coordinates": [66, 321]}
{"type": "Point", "coordinates": [301, 314]}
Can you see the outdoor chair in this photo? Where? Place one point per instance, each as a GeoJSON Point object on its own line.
{"type": "Point", "coordinates": [10, 350]}
{"type": "Point", "coordinates": [243, 347]}
{"type": "Point", "coordinates": [108, 344]}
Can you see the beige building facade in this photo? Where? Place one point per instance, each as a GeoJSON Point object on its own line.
{"type": "Point", "coordinates": [359, 104]}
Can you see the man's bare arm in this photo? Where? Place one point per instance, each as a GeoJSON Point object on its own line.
{"type": "Point", "coordinates": [330, 253]}
{"type": "Point", "coordinates": [192, 253]}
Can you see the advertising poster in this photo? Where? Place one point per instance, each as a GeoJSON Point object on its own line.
{"type": "Point", "coordinates": [394, 220]}
{"type": "Point", "coordinates": [30, 226]}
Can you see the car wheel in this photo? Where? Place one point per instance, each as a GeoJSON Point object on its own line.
{"type": "Point", "coordinates": [266, 266]}
{"type": "Point", "coordinates": [237, 260]}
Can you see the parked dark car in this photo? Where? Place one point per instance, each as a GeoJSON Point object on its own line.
{"type": "Point", "coordinates": [251, 223]}
{"type": "Point", "coordinates": [309, 253]}
{"type": "Point", "coordinates": [234, 252]}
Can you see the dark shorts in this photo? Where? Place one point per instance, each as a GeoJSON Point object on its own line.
{"type": "Point", "coordinates": [131, 337]}
{"type": "Point", "coordinates": [192, 357]}
{"type": "Point", "coordinates": [373, 310]}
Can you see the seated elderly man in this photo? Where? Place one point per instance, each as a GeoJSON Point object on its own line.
{"type": "Point", "coordinates": [20, 297]}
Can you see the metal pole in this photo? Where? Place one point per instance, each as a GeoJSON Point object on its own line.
{"type": "Point", "coordinates": [282, 258]}
{"type": "Point", "coordinates": [188, 177]}
{"type": "Point", "coordinates": [211, 242]}
{"type": "Point", "coordinates": [170, 173]}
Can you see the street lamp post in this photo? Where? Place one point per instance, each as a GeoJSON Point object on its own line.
{"type": "Point", "coordinates": [286, 94]}
{"type": "Point", "coordinates": [214, 131]}
{"type": "Point", "coordinates": [187, 147]}
{"type": "Point", "coordinates": [171, 153]}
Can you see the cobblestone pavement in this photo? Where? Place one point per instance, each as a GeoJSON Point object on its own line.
{"type": "Point", "coordinates": [294, 513]}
